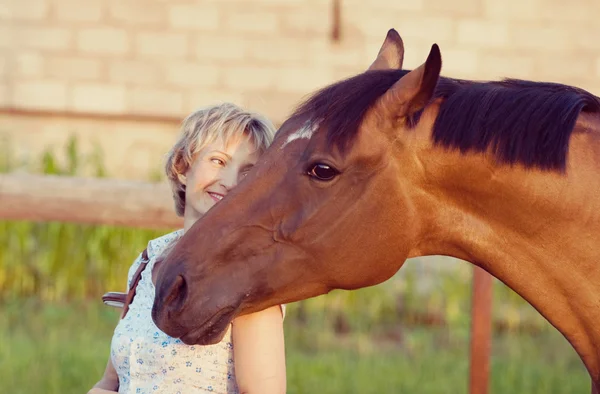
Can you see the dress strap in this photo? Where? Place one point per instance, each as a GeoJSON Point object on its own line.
{"type": "Point", "coordinates": [123, 300]}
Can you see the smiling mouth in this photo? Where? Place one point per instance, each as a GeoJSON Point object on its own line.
{"type": "Point", "coordinates": [216, 196]}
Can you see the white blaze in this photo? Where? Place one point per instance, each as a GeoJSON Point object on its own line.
{"type": "Point", "coordinates": [305, 132]}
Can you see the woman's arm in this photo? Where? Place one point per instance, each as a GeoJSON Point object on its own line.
{"type": "Point", "coordinates": [109, 382]}
{"type": "Point", "coordinates": [259, 352]}
{"type": "Point", "coordinates": [101, 391]}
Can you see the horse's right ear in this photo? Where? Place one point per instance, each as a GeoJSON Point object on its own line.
{"type": "Point", "coordinates": [413, 91]}
{"type": "Point", "coordinates": [391, 54]}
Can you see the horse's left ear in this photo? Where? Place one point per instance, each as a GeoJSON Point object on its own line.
{"type": "Point", "coordinates": [413, 92]}
{"type": "Point", "coordinates": [391, 53]}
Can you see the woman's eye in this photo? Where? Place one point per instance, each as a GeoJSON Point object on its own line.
{"type": "Point", "coordinates": [218, 161]}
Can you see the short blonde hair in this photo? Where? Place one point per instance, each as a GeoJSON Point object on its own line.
{"type": "Point", "coordinates": [205, 126]}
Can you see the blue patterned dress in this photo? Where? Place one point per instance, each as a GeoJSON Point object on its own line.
{"type": "Point", "coordinates": [149, 361]}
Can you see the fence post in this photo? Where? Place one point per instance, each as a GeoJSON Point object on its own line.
{"type": "Point", "coordinates": [481, 331]}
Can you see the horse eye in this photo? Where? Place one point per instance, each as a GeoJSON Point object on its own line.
{"type": "Point", "coordinates": [323, 172]}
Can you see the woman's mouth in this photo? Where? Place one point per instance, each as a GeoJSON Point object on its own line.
{"type": "Point", "coordinates": [215, 196]}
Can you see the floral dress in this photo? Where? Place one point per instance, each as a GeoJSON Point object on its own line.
{"type": "Point", "coordinates": [149, 361]}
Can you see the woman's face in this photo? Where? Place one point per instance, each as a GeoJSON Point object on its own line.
{"type": "Point", "coordinates": [215, 170]}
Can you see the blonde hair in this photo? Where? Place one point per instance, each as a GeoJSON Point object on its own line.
{"type": "Point", "coordinates": [221, 122]}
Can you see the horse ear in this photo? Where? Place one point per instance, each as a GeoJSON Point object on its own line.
{"type": "Point", "coordinates": [413, 92]}
{"type": "Point", "coordinates": [391, 54]}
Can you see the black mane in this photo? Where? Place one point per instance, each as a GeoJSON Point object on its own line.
{"type": "Point", "coordinates": [520, 121]}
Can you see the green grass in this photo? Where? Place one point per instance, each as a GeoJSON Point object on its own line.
{"type": "Point", "coordinates": [52, 348]}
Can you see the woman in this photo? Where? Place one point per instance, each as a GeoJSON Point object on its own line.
{"type": "Point", "coordinates": [217, 147]}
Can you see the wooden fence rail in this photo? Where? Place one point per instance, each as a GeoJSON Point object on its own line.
{"type": "Point", "coordinates": [86, 200]}
{"type": "Point", "coordinates": [149, 205]}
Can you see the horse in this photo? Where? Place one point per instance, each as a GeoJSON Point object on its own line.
{"type": "Point", "coordinates": [392, 164]}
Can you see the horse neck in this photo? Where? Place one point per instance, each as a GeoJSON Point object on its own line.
{"type": "Point", "coordinates": [536, 231]}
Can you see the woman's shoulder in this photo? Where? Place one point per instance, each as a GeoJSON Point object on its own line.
{"type": "Point", "coordinates": [153, 249]}
{"type": "Point", "coordinates": [273, 314]}
{"type": "Point", "coordinates": [158, 245]}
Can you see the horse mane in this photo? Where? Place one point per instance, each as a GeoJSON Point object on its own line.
{"type": "Point", "coordinates": [523, 122]}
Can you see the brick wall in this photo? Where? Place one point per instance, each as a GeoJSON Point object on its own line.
{"type": "Point", "coordinates": [165, 58]}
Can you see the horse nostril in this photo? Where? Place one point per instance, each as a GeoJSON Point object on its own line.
{"type": "Point", "coordinates": [178, 293]}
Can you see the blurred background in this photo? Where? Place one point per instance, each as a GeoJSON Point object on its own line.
{"type": "Point", "coordinates": [97, 88]}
